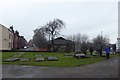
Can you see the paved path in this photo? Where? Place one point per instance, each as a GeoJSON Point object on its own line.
{"type": "Point", "coordinates": [104, 69]}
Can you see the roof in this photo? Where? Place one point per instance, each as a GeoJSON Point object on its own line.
{"type": "Point", "coordinates": [5, 27]}
{"type": "Point", "coordinates": [60, 40]}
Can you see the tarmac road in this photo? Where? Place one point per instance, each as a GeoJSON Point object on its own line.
{"type": "Point", "coordinates": [103, 69]}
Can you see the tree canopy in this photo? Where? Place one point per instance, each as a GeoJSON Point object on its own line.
{"type": "Point", "coordinates": [51, 29]}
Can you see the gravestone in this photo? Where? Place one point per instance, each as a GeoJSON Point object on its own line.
{"type": "Point", "coordinates": [52, 58]}
{"type": "Point", "coordinates": [24, 59]}
{"type": "Point", "coordinates": [11, 59]}
{"type": "Point", "coordinates": [40, 59]}
{"type": "Point", "coordinates": [80, 55]}
{"type": "Point", "coordinates": [77, 47]}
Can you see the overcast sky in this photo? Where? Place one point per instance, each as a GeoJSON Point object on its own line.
{"type": "Point", "coordinates": [89, 17]}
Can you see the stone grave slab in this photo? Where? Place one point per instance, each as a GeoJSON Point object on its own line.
{"type": "Point", "coordinates": [80, 55]}
{"type": "Point", "coordinates": [11, 59]}
{"type": "Point", "coordinates": [40, 59]}
{"type": "Point", "coordinates": [24, 59]}
{"type": "Point", "coordinates": [52, 58]}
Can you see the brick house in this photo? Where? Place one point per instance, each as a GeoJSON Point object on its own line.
{"type": "Point", "coordinates": [10, 40]}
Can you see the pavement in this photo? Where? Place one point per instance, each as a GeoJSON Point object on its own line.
{"type": "Point", "coordinates": [103, 69]}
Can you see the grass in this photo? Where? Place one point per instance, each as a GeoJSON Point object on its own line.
{"type": "Point", "coordinates": [62, 62]}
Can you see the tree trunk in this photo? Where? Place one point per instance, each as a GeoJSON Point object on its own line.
{"type": "Point", "coordinates": [53, 44]}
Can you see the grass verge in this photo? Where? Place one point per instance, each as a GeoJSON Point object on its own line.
{"type": "Point", "coordinates": [62, 62]}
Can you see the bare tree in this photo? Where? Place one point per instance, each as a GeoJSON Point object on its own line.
{"type": "Point", "coordinates": [84, 38]}
{"type": "Point", "coordinates": [71, 37]}
{"type": "Point", "coordinates": [81, 40]}
{"type": "Point", "coordinates": [84, 43]}
{"type": "Point", "coordinates": [100, 42]}
{"type": "Point", "coordinates": [53, 29]}
{"type": "Point", "coordinates": [78, 38]}
{"type": "Point", "coordinates": [39, 38]}
{"type": "Point", "coordinates": [74, 37]}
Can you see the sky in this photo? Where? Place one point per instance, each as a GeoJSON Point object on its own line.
{"type": "Point", "coordinates": [91, 17]}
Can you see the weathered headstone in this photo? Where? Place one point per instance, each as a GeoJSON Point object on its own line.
{"type": "Point", "coordinates": [52, 58]}
{"type": "Point", "coordinates": [40, 59]}
{"type": "Point", "coordinates": [77, 47]}
{"type": "Point", "coordinates": [11, 59]}
{"type": "Point", "coordinates": [24, 59]}
{"type": "Point", "coordinates": [80, 55]}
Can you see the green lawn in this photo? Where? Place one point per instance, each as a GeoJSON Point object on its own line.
{"type": "Point", "coordinates": [62, 62]}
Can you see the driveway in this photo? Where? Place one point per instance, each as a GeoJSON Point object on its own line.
{"type": "Point", "coordinates": [103, 69]}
